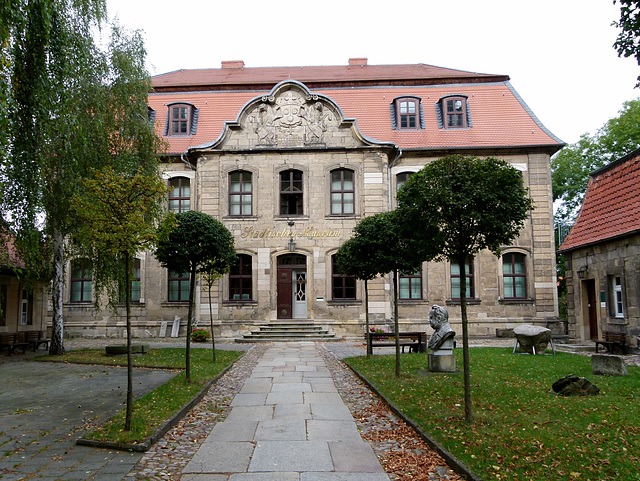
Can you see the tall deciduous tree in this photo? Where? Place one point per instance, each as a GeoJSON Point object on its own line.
{"type": "Point", "coordinates": [573, 164]}
{"type": "Point", "coordinates": [118, 215]}
{"type": "Point", "coordinates": [457, 206]}
{"type": "Point", "coordinates": [627, 43]}
{"type": "Point", "coordinates": [194, 242]}
{"type": "Point", "coordinates": [72, 107]}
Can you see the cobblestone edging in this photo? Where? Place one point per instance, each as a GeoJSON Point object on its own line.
{"type": "Point", "coordinates": [166, 459]}
{"type": "Point", "coordinates": [402, 452]}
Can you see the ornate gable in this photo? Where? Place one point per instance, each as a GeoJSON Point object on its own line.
{"type": "Point", "coordinates": [290, 117]}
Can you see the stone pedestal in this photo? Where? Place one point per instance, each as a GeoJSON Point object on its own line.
{"type": "Point", "coordinates": [443, 360]}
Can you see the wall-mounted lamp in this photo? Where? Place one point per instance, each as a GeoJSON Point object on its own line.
{"type": "Point", "coordinates": [292, 243]}
{"type": "Point", "coordinates": [582, 271]}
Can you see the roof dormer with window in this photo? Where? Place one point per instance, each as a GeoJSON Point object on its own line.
{"type": "Point", "coordinates": [407, 113]}
{"type": "Point", "coordinates": [453, 112]}
{"type": "Point", "coordinates": [182, 119]}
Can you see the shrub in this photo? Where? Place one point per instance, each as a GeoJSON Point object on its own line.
{"type": "Point", "coordinates": [200, 335]}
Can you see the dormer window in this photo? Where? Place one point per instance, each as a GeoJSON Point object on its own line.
{"type": "Point", "coordinates": [453, 112]}
{"type": "Point", "coordinates": [406, 114]}
{"type": "Point", "coordinates": [182, 119]}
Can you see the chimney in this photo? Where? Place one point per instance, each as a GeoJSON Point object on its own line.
{"type": "Point", "coordinates": [353, 62]}
{"type": "Point", "coordinates": [232, 64]}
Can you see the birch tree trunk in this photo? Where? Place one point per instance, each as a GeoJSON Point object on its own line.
{"type": "Point", "coordinates": [57, 286]}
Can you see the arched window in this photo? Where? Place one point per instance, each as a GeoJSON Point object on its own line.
{"type": "Point", "coordinates": [453, 112]}
{"type": "Point", "coordinates": [291, 192]}
{"type": "Point", "coordinates": [182, 119]}
{"type": "Point", "coordinates": [406, 113]}
{"type": "Point", "coordinates": [240, 193]}
{"type": "Point", "coordinates": [179, 195]}
{"type": "Point", "coordinates": [342, 192]}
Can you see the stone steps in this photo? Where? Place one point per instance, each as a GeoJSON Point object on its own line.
{"type": "Point", "coordinates": [294, 330]}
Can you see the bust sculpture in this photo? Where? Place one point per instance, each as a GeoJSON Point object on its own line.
{"type": "Point", "coordinates": [439, 321]}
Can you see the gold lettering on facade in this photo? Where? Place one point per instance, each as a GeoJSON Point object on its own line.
{"type": "Point", "coordinates": [273, 233]}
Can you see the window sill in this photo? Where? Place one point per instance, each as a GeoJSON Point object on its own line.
{"type": "Point", "coordinates": [344, 303]}
{"type": "Point", "coordinates": [516, 301]}
{"type": "Point", "coordinates": [471, 301]}
{"type": "Point", "coordinates": [174, 304]}
{"type": "Point", "coordinates": [250, 218]}
{"type": "Point", "coordinates": [240, 303]}
{"type": "Point", "coordinates": [291, 217]}
{"type": "Point", "coordinates": [78, 304]}
{"type": "Point", "coordinates": [410, 301]}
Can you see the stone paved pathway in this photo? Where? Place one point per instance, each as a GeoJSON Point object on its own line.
{"type": "Point", "coordinates": [287, 423]}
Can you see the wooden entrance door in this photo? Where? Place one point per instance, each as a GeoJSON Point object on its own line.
{"type": "Point", "coordinates": [592, 308]}
{"type": "Point", "coordinates": [285, 293]}
{"type": "Point", "coordinates": [292, 270]}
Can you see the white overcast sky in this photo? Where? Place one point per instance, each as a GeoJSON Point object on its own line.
{"type": "Point", "coordinates": [558, 53]}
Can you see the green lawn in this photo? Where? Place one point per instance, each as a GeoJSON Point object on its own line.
{"type": "Point", "coordinates": [521, 429]}
{"type": "Point", "coordinates": [153, 409]}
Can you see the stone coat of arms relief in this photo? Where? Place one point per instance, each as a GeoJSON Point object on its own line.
{"type": "Point", "coordinates": [292, 120]}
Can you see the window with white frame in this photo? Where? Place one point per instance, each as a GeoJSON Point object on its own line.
{"type": "Point", "coordinates": [618, 304]}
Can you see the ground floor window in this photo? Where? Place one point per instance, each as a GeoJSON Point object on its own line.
{"type": "Point", "coordinates": [343, 287]}
{"type": "Point", "coordinates": [455, 280]}
{"type": "Point", "coordinates": [81, 281]}
{"type": "Point", "coordinates": [178, 286]}
{"type": "Point", "coordinates": [514, 276]}
{"type": "Point", "coordinates": [410, 285]}
{"type": "Point", "coordinates": [240, 280]}
{"type": "Point", "coordinates": [617, 297]}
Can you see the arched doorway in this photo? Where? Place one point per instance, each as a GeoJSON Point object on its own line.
{"type": "Point", "coordinates": [292, 286]}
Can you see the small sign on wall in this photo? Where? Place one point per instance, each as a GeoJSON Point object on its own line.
{"type": "Point", "coordinates": [603, 302]}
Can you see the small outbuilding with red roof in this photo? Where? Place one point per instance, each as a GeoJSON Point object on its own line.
{"type": "Point", "coordinates": [602, 255]}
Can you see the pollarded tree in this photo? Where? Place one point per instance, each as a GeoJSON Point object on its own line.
{"type": "Point", "coordinates": [453, 209]}
{"type": "Point", "coordinates": [355, 259]}
{"type": "Point", "coordinates": [194, 242]}
{"type": "Point", "coordinates": [118, 215]}
{"type": "Point", "coordinates": [379, 237]}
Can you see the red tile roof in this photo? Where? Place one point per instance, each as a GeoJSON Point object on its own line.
{"type": "Point", "coordinates": [611, 205]}
{"type": "Point", "coordinates": [499, 116]}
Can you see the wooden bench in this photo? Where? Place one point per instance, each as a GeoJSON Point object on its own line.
{"type": "Point", "coordinates": [11, 342]}
{"type": "Point", "coordinates": [36, 339]}
{"type": "Point", "coordinates": [611, 340]}
{"type": "Point", "coordinates": [415, 341]}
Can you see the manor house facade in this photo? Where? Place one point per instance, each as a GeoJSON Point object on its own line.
{"type": "Point", "coordinates": [289, 159]}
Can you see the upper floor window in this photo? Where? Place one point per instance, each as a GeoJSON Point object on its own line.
{"type": "Point", "coordinates": [410, 285]}
{"type": "Point", "coordinates": [453, 112]}
{"type": "Point", "coordinates": [342, 192]}
{"type": "Point", "coordinates": [343, 288]}
{"type": "Point", "coordinates": [406, 114]}
{"type": "Point", "coordinates": [182, 119]}
{"type": "Point", "coordinates": [240, 280]}
{"type": "Point", "coordinates": [240, 193]}
{"type": "Point", "coordinates": [456, 280]}
{"type": "Point", "coordinates": [178, 286]}
{"type": "Point", "coordinates": [617, 297]}
{"type": "Point", "coordinates": [401, 178]}
{"type": "Point", "coordinates": [514, 274]}
{"type": "Point", "coordinates": [81, 281]}
{"type": "Point", "coordinates": [180, 195]}
{"type": "Point", "coordinates": [291, 192]}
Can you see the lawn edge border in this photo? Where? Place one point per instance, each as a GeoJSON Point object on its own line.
{"type": "Point", "coordinates": [454, 463]}
{"type": "Point", "coordinates": [144, 446]}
